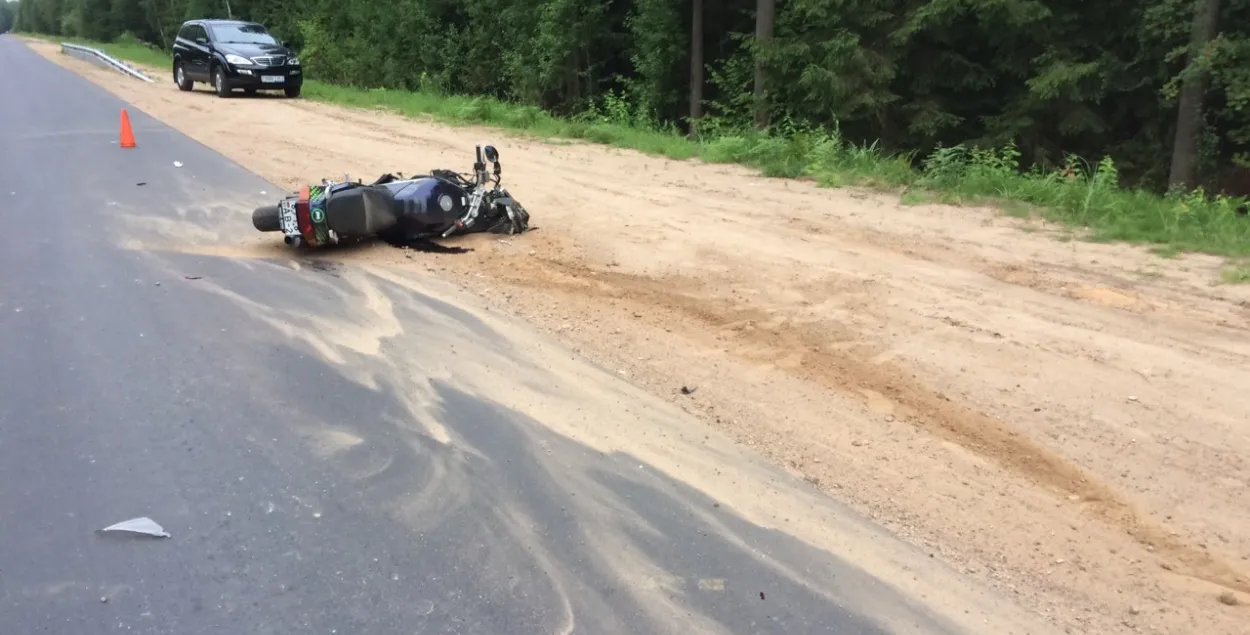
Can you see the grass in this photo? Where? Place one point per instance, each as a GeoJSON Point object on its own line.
{"type": "Point", "coordinates": [1236, 274]}
{"type": "Point", "coordinates": [1079, 196]}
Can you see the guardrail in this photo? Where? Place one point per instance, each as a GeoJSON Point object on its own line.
{"type": "Point", "coordinates": [109, 60]}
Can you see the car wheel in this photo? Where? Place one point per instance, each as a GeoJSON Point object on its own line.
{"type": "Point", "coordinates": [180, 78]}
{"type": "Point", "coordinates": [219, 82]}
{"type": "Point", "coordinates": [291, 91]}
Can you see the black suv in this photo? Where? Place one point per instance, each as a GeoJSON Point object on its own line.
{"type": "Point", "coordinates": [231, 54]}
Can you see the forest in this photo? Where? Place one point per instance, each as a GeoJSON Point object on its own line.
{"type": "Point", "coordinates": [8, 15]}
{"type": "Point", "coordinates": [1161, 87]}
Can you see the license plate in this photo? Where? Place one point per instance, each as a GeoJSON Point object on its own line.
{"type": "Point", "coordinates": [290, 225]}
{"type": "Point", "coordinates": [273, 79]}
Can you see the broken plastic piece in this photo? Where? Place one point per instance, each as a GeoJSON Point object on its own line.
{"type": "Point", "coordinates": [142, 525]}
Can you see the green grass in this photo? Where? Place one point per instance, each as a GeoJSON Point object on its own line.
{"type": "Point", "coordinates": [1236, 274]}
{"type": "Point", "coordinates": [1082, 196]}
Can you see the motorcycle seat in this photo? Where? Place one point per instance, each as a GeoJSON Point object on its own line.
{"type": "Point", "coordinates": [361, 211]}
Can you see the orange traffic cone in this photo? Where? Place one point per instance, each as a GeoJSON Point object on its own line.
{"type": "Point", "coordinates": [128, 136]}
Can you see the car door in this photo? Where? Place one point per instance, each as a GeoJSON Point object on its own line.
{"type": "Point", "coordinates": [200, 53]}
{"type": "Point", "coordinates": [183, 50]}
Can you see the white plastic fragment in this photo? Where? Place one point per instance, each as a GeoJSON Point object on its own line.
{"type": "Point", "coordinates": [142, 525]}
{"type": "Point", "coordinates": [177, 164]}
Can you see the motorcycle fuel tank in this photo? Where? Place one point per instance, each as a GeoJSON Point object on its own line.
{"type": "Point", "coordinates": [428, 202]}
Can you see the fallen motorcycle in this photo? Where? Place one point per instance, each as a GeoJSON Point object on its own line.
{"type": "Point", "coordinates": [439, 204]}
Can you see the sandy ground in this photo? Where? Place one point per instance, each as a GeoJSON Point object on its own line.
{"type": "Point", "coordinates": [1065, 421]}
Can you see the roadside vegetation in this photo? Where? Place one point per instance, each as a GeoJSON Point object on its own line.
{"type": "Point", "coordinates": [1236, 274]}
{"type": "Point", "coordinates": [949, 132]}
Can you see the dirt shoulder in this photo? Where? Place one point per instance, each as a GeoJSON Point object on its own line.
{"type": "Point", "coordinates": [1067, 421]}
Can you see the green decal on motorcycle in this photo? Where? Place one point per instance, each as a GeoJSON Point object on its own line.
{"type": "Point", "coordinates": [317, 213]}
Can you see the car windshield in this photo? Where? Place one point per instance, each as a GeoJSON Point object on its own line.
{"type": "Point", "coordinates": [242, 34]}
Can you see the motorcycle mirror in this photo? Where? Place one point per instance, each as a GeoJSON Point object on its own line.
{"type": "Point", "coordinates": [492, 154]}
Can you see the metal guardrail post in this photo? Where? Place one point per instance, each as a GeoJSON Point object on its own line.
{"type": "Point", "coordinates": [111, 61]}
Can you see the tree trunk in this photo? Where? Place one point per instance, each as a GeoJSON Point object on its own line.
{"type": "Point", "coordinates": [696, 66]}
{"type": "Point", "coordinates": [764, 10]}
{"type": "Point", "coordinates": [1189, 112]}
{"type": "Point", "coordinates": [156, 20]}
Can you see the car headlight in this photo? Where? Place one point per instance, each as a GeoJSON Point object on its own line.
{"type": "Point", "coordinates": [238, 60]}
{"type": "Point", "coordinates": [294, 61]}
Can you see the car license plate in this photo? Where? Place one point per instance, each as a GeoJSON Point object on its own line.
{"type": "Point", "coordinates": [273, 79]}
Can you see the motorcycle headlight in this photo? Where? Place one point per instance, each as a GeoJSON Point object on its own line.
{"type": "Point", "coordinates": [294, 61]}
{"type": "Point", "coordinates": [238, 60]}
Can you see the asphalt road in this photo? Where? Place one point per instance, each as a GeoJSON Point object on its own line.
{"type": "Point", "coordinates": [128, 389]}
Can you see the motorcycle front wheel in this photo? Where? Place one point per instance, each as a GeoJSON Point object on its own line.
{"type": "Point", "coordinates": [267, 219]}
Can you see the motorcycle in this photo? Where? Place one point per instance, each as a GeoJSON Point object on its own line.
{"type": "Point", "coordinates": [442, 203]}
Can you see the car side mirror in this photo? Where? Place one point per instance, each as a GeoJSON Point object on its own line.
{"type": "Point", "coordinates": [287, 45]}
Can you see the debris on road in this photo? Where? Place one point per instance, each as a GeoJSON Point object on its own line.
{"type": "Point", "coordinates": [141, 183]}
{"type": "Point", "coordinates": [141, 525]}
{"type": "Point", "coordinates": [1229, 598]}
{"type": "Point", "coordinates": [177, 164]}
{"type": "Point", "coordinates": [192, 277]}
{"type": "Point", "coordinates": [688, 390]}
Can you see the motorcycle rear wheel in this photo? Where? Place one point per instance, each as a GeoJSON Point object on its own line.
{"type": "Point", "coordinates": [267, 219]}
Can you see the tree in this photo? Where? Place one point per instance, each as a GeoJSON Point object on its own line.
{"type": "Point", "coordinates": [764, 17]}
{"type": "Point", "coordinates": [8, 15]}
{"type": "Point", "coordinates": [1189, 112]}
{"type": "Point", "coordinates": [696, 66]}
